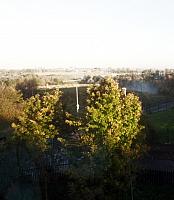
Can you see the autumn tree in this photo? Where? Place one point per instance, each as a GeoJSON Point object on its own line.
{"type": "Point", "coordinates": [37, 124]}
{"type": "Point", "coordinates": [111, 131]}
{"type": "Point", "coordinates": [36, 127]}
{"type": "Point", "coordinates": [10, 103]}
{"type": "Point", "coordinates": [27, 87]}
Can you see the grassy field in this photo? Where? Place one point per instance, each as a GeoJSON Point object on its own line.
{"type": "Point", "coordinates": [162, 124]}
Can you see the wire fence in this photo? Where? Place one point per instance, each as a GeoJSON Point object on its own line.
{"type": "Point", "coordinates": [158, 108]}
{"type": "Point", "coordinates": [156, 177]}
{"type": "Point", "coordinates": [39, 173]}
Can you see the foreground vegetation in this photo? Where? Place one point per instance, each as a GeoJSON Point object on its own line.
{"type": "Point", "coordinates": [98, 145]}
{"type": "Point", "coordinates": [107, 134]}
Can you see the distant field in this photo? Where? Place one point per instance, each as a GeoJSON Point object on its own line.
{"type": "Point", "coordinates": [163, 125]}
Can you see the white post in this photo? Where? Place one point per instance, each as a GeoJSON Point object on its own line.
{"type": "Point", "coordinates": [77, 99]}
{"type": "Point", "coordinates": [124, 91]}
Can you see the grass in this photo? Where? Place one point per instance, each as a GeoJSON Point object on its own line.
{"type": "Point", "coordinates": [163, 125]}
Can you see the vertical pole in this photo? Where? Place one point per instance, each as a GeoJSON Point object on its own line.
{"type": "Point", "coordinates": [124, 91]}
{"type": "Point", "coordinates": [77, 99]}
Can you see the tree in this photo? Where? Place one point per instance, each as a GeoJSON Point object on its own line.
{"type": "Point", "coordinates": [112, 119]}
{"type": "Point", "coordinates": [97, 79]}
{"type": "Point", "coordinates": [27, 87]}
{"type": "Point", "coordinates": [86, 79]}
{"type": "Point", "coordinates": [37, 124]}
{"type": "Point", "coordinates": [10, 103]}
{"type": "Point", "coordinates": [36, 127]}
{"type": "Point", "coordinates": [111, 131]}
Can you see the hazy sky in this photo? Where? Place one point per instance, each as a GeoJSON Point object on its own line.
{"type": "Point", "coordinates": [86, 33]}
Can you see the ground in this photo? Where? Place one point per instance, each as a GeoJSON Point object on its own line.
{"type": "Point", "coordinates": [163, 125]}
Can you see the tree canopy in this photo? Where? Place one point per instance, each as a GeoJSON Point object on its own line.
{"type": "Point", "coordinates": [10, 103]}
{"type": "Point", "coordinates": [37, 124]}
{"type": "Point", "coordinates": [27, 87]}
{"type": "Point", "coordinates": [112, 134]}
{"type": "Point", "coordinates": [112, 119]}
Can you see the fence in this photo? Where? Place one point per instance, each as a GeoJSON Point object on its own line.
{"type": "Point", "coordinates": [158, 108]}
{"type": "Point", "coordinates": [146, 176]}
{"type": "Point", "coordinates": [153, 177]}
{"type": "Point", "coordinates": [36, 174]}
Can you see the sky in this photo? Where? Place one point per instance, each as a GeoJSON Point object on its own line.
{"type": "Point", "coordinates": [86, 33]}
